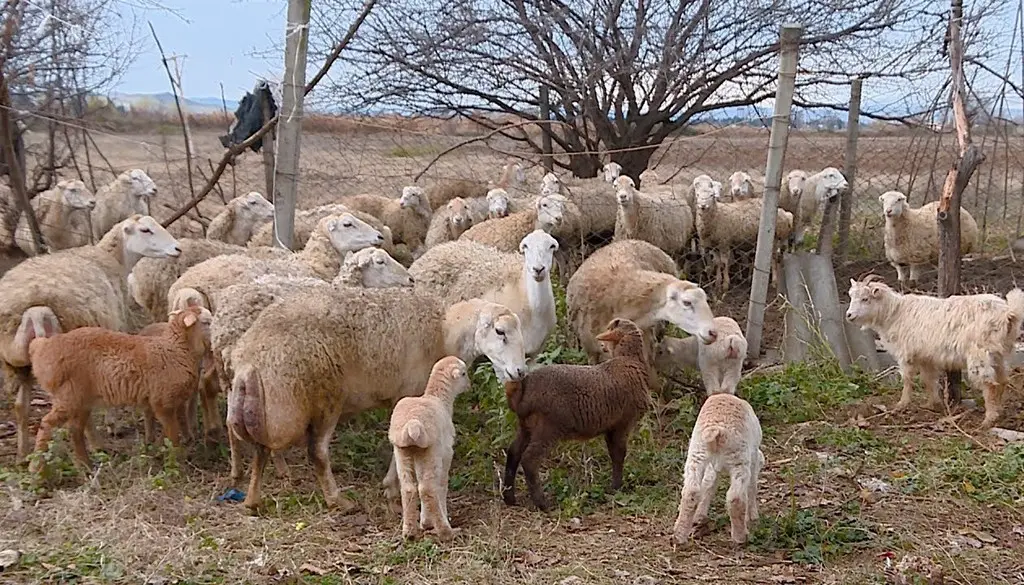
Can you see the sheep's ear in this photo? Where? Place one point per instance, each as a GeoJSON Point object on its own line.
{"type": "Point", "coordinates": [190, 319]}
{"type": "Point", "coordinates": [365, 261]}
{"type": "Point", "coordinates": [853, 282]}
{"type": "Point", "coordinates": [332, 225]}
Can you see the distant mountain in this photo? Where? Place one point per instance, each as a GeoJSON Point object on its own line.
{"type": "Point", "coordinates": [165, 101]}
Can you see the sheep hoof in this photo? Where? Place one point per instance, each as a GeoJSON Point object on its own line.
{"type": "Point", "coordinates": [413, 533]}
{"type": "Point", "coordinates": [341, 503]}
{"type": "Point", "coordinates": [446, 534]}
{"type": "Point", "coordinates": [681, 540]}
{"type": "Point", "coordinates": [509, 496]}
{"type": "Point", "coordinates": [901, 406]}
{"type": "Point", "coordinates": [395, 505]}
{"type": "Point", "coordinates": [988, 423]}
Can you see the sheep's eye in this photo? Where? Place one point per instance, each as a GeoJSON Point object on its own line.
{"type": "Point", "coordinates": [146, 230]}
{"type": "Point", "coordinates": [379, 260]}
{"type": "Point", "coordinates": [688, 304]}
{"type": "Point", "coordinates": [347, 224]}
{"type": "Point", "coordinates": [552, 247]}
{"type": "Point", "coordinates": [499, 331]}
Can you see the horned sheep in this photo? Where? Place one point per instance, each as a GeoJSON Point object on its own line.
{"type": "Point", "coordinates": [458, 271]}
{"type": "Point", "coordinates": [928, 335]}
{"type": "Point", "coordinates": [240, 218]}
{"type": "Point", "coordinates": [63, 216]}
{"type": "Point", "coordinates": [423, 438]}
{"type": "Point", "coordinates": [80, 287]}
{"type": "Point", "coordinates": [129, 193]}
{"type": "Point", "coordinates": [312, 358]}
{"type": "Point", "coordinates": [665, 221]}
{"type": "Point", "coordinates": [912, 235]}
{"type": "Point", "coordinates": [726, 437]}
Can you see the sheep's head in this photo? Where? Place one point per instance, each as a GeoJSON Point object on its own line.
{"type": "Point", "coordinates": [349, 233]}
{"type": "Point", "coordinates": [141, 189]}
{"type": "Point", "coordinates": [867, 297]}
{"type": "Point", "coordinates": [538, 249]}
{"type": "Point", "coordinates": [144, 236]}
{"type": "Point", "coordinates": [413, 197]}
{"type": "Point", "coordinates": [625, 189]}
{"type": "Point", "coordinates": [893, 204]}
{"type": "Point", "coordinates": [76, 195]}
{"type": "Point", "coordinates": [253, 206]}
{"type": "Point", "coordinates": [612, 171]}
{"type": "Point", "coordinates": [550, 211]}
{"type": "Point", "coordinates": [452, 374]}
{"type": "Point", "coordinates": [195, 321]}
{"type": "Point", "coordinates": [551, 181]}
{"type": "Point", "coordinates": [186, 297]}
{"type": "Point", "coordinates": [706, 192]}
{"type": "Point", "coordinates": [831, 184]}
{"type": "Point", "coordinates": [459, 215]}
{"type": "Point", "coordinates": [741, 186]}
{"type": "Point", "coordinates": [377, 269]}
{"type": "Point", "coordinates": [499, 336]}
{"type": "Point", "coordinates": [621, 332]}
{"type": "Point", "coordinates": [685, 305]}
{"type": "Point", "coordinates": [649, 176]}
{"type": "Point", "coordinates": [795, 182]}
{"type": "Point", "coordinates": [497, 203]}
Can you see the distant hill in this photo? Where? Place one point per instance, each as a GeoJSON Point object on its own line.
{"type": "Point", "coordinates": [165, 101]}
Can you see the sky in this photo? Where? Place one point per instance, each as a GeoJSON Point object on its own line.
{"type": "Point", "coordinates": [217, 37]}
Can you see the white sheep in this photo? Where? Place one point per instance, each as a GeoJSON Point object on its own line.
{"type": "Point", "coordinates": [741, 186]}
{"type": "Point", "coordinates": [306, 221]}
{"type": "Point", "coordinates": [408, 217]}
{"type": "Point", "coordinates": [62, 214]}
{"type": "Point", "coordinates": [127, 194]}
{"type": "Point", "coordinates": [804, 195]}
{"type": "Point", "coordinates": [449, 222]}
{"type": "Point", "coordinates": [242, 216]}
{"type": "Point", "coordinates": [665, 221]}
{"type": "Point", "coordinates": [552, 213]}
{"type": "Point", "coordinates": [512, 177]}
{"type": "Point", "coordinates": [315, 357]}
{"type": "Point", "coordinates": [929, 335]}
{"type": "Point", "coordinates": [423, 437]}
{"type": "Point", "coordinates": [595, 200]}
{"type": "Point", "coordinates": [463, 270]}
{"type": "Point", "coordinates": [721, 362]}
{"type": "Point", "coordinates": [726, 437]}
{"type": "Point", "coordinates": [673, 354]}
{"type": "Point", "coordinates": [912, 235]}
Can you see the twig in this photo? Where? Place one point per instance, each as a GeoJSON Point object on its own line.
{"type": "Point", "coordinates": [481, 138]}
{"type": "Point", "coordinates": [100, 152]}
{"type": "Point", "coordinates": [181, 114]}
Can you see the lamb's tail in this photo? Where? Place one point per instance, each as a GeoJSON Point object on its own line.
{"type": "Point", "coordinates": [514, 395]}
{"type": "Point", "coordinates": [247, 416]}
{"type": "Point", "coordinates": [413, 435]}
{"type": "Point", "coordinates": [1015, 298]}
{"type": "Point", "coordinates": [715, 438]}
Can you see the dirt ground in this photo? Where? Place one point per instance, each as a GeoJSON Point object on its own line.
{"type": "Point", "coordinates": [851, 493]}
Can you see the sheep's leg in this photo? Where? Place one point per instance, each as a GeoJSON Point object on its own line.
{"type": "Point", "coordinates": [188, 421]}
{"type": "Point", "coordinates": [442, 489]}
{"type": "Point", "coordinates": [410, 494]}
{"type": "Point", "coordinates": [915, 274]}
{"type": "Point", "coordinates": [169, 421]}
{"type": "Point", "coordinates": [20, 380]}
{"type": "Point", "coordinates": [901, 274]}
{"type": "Point", "coordinates": [756, 464]}
{"type": "Point", "coordinates": [208, 390]}
{"type": "Point", "coordinates": [235, 448]}
{"type": "Point", "coordinates": [429, 471]}
{"type": "Point", "coordinates": [94, 441]}
{"type": "Point", "coordinates": [907, 372]}
{"type": "Point", "coordinates": [57, 416]}
{"type": "Point", "coordinates": [739, 489]}
{"type": "Point", "coordinates": [689, 499]}
{"type": "Point", "coordinates": [707, 492]}
{"type": "Point", "coordinates": [533, 456]}
{"type": "Point", "coordinates": [76, 426]}
{"type": "Point", "coordinates": [149, 425]}
{"type": "Point", "coordinates": [993, 395]}
{"type": "Point", "coordinates": [930, 384]}
{"type": "Point", "coordinates": [513, 456]}
{"type": "Point", "coordinates": [259, 465]}
{"type": "Point", "coordinates": [725, 270]}
{"type": "Point", "coordinates": [616, 442]}
{"type": "Point", "coordinates": [319, 447]}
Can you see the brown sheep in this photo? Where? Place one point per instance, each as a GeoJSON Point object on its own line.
{"type": "Point", "coordinates": [93, 365]}
{"type": "Point", "coordinates": [567, 402]}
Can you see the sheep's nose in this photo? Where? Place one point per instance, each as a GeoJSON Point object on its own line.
{"type": "Point", "coordinates": [849, 316]}
{"type": "Point", "coordinates": [380, 238]}
{"type": "Point", "coordinates": [710, 337]}
{"type": "Point", "coordinates": [177, 250]}
{"type": "Point", "coordinates": [519, 373]}
{"type": "Point", "coordinates": [412, 280]}
{"type": "Point", "coordinates": [92, 205]}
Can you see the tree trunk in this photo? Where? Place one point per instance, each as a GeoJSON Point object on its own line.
{"type": "Point", "coordinates": [584, 166]}
{"type": "Point", "coordinates": [634, 162]}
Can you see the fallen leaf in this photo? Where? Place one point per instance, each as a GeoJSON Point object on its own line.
{"type": "Point", "coordinates": [312, 569]}
{"type": "Point", "coordinates": [300, 525]}
{"type": "Point", "coordinates": [980, 535]}
{"type": "Point", "coordinates": [969, 487]}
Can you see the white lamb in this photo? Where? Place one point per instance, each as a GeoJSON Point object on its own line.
{"type": "Point", "coordinates": [726, 437]}
{"type": "Point", "coordinates": [912, 235]}
{"type": "Point", "coordinates": [721, 362]}
{"type": "Point", "coordinates": [423, 437]}
{"type": "Point", "coordinates": [129, 193]}
{"type": "Point", "coordinates": [658, 218]}
{"type": "Point", "coordinates": [804, 195]}
{"type": "Point", "coordinates": [741, 186]}
{"type": "Point", "coordinates": [62, 214]}
{"type": "Point", "coordinates": [928, 335]}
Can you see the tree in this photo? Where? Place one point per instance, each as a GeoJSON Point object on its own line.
{"type": "Point", "coordinates": [623, 74]}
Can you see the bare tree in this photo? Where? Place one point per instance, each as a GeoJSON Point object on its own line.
{"type": "Point", "coordinates": [623, 74]}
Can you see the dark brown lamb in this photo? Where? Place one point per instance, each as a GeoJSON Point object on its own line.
{"type": "Point", "coordinates": [567, 402]}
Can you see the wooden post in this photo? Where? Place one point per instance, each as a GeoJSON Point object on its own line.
{"type": "Point", "coordinates": [545, 128]}
{"type": "Point", "coordinates": [268, 148]}
{"type": "Point", "coordinates": [286, 175]}
{"type": "Point", "coordinates": [789, 41]}
{"type": "Point", "coordinates": [849, 167]}
{"type": "Point", "coordinates": [968, 159]}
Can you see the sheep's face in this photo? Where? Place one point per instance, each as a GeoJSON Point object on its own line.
{"type": "Point", "coordinates": [458, 215]}
{"type": "Point", "coordinates": [550, 211]}
{"type": "Point", "coordinates": [254, 206]}
{"type": "Point", "coordinates": [497, 203]}
{"type": "Point", "coordinates": [616, 331]}
{"type": "Point", "coordinates": [685, 305]}
{"type": "Point", "coordinates": [349, 233]}
{"type": "Point", "coordinates": [550, 181]}
{"type": "Point", "coordinates": [412, 197]}
{"type": "Point", "coordinates": [76, 195]}
{"type": "Point", "coordinates": [379, 269]}
{"type": "Point", "coordinates": [538, 249]}
{"type": "Point", "coordinates": [665, 356]}
{"type": "Point", "coordinates": [893, 204]}
{"type": "Point", "coordinates": [865, 300]}
{"type": "Point", "coordinates": [831, 184]}
{"type": "Point", "coordinates": [142, 188]}
{"type": "Point", "coordinates": [795, 182]}
{"type": "Point", "coordinates": [740, 185]}
{"type": "Point", "coordinates": [196, 321]}
{"type": "Point", "coordinates": [143, 236]}
{"type": "Point", "coordinates": [499, 336]}
{"type": "Point", "coordinates": [624, 196]}
{"type": "Point", "coordinates": [706, 199]}
{"type": "Point", "coordinates": [612, 171]}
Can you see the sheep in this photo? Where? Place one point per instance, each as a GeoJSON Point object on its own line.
{"type": "Point", "coordinates": [129, 193]}
{"type": "Point", "coordinates": [928, 335]}
{"type": "Point", "coordinates": [912, 235]}
{"type": "Point", "coordinates": [312, 358]}
{"type": "Point", "coordinates": [595, 201]}
{"type": "Point", "coordinates": [334, 236]}
{"type": "Point", "coordinates": [673, 354]}
{"type": "Point", "coordinates": [80, 287]}
{"type": "Point", "coordinates": [512, 176]}
{"type": "Point", "coordinates": [666, 222]}
{"type": "Point", "coordinates": [551, 213]}
{"type": "Point", "coordinates": [634, 280]}
{"type": "Point", "coordinates": [560, 402]}
{"type": "Point", "coordinates": [721, 361]}
{"type": "Point", "coordinates": [459, 271]}
{"type": "Point", "coordinates": [93, 365]}
{"type": "Point", "coordinates": [241, 217]}
{"type": "Point", "coordinates": [408, 217]}
{"type": "Point", "coordinates": [741, 186]}
{"type": "Point", "coordinates": [306, 222]}
{"type": "Point", "coordinates": [726, 437]}
{"type": "Point", "coordinates": [449, 223]}
{"type": "Point", "coordinates": [723, 226]}
{"type": "Point", "coordinates": [62, 214]}
{"type": "Point", "coordinates": [803, 195]}
{"type": "Point", "coordinates": [423, 438]}
{"type": "Point", "coordinates": [612, 171]}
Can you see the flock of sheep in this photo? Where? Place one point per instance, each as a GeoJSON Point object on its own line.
{"type": "Point", "coordinates": [387, 301]}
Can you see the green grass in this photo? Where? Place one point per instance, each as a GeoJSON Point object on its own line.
{"type": "Point", "coordinates": [803, 391]}
{"type": "Point", "coordinates": [402, 151]}
{"type": "Point", "coordinates": [813, 535]}
{"type": "Point", "coordinates": [956, 467]}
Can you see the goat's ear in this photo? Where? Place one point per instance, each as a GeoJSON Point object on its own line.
{"type": "Point", "coordinates": [853, 282]}
{"type": "Point", "coordinates": [190, 319]}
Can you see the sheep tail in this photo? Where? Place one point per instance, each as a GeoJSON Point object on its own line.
{"type": "Point", "coordinates": [714, 438]}
{"type": "Point", "coordinates": [514, 394]}
{"type": "Point", "coordinates": [413, 435]}
{"type": "Point", "coordinates": [247, 415]}
{"type": "Point", "coordinates": [1015, 298]}
{"type": "Point", "coordinates": [733, 351]}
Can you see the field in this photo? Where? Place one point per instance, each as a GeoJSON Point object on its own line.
{"type": "Point", "coordinates": [851, 492]}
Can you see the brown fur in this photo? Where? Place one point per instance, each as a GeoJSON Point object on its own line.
{"type": "Point", "coordinates": [567, 402]}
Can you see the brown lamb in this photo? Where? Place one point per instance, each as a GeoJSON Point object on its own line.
{"type": "Point", "coordinates": [92, 365]}
{"type": "Point", "coordinates": [568, 402]}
